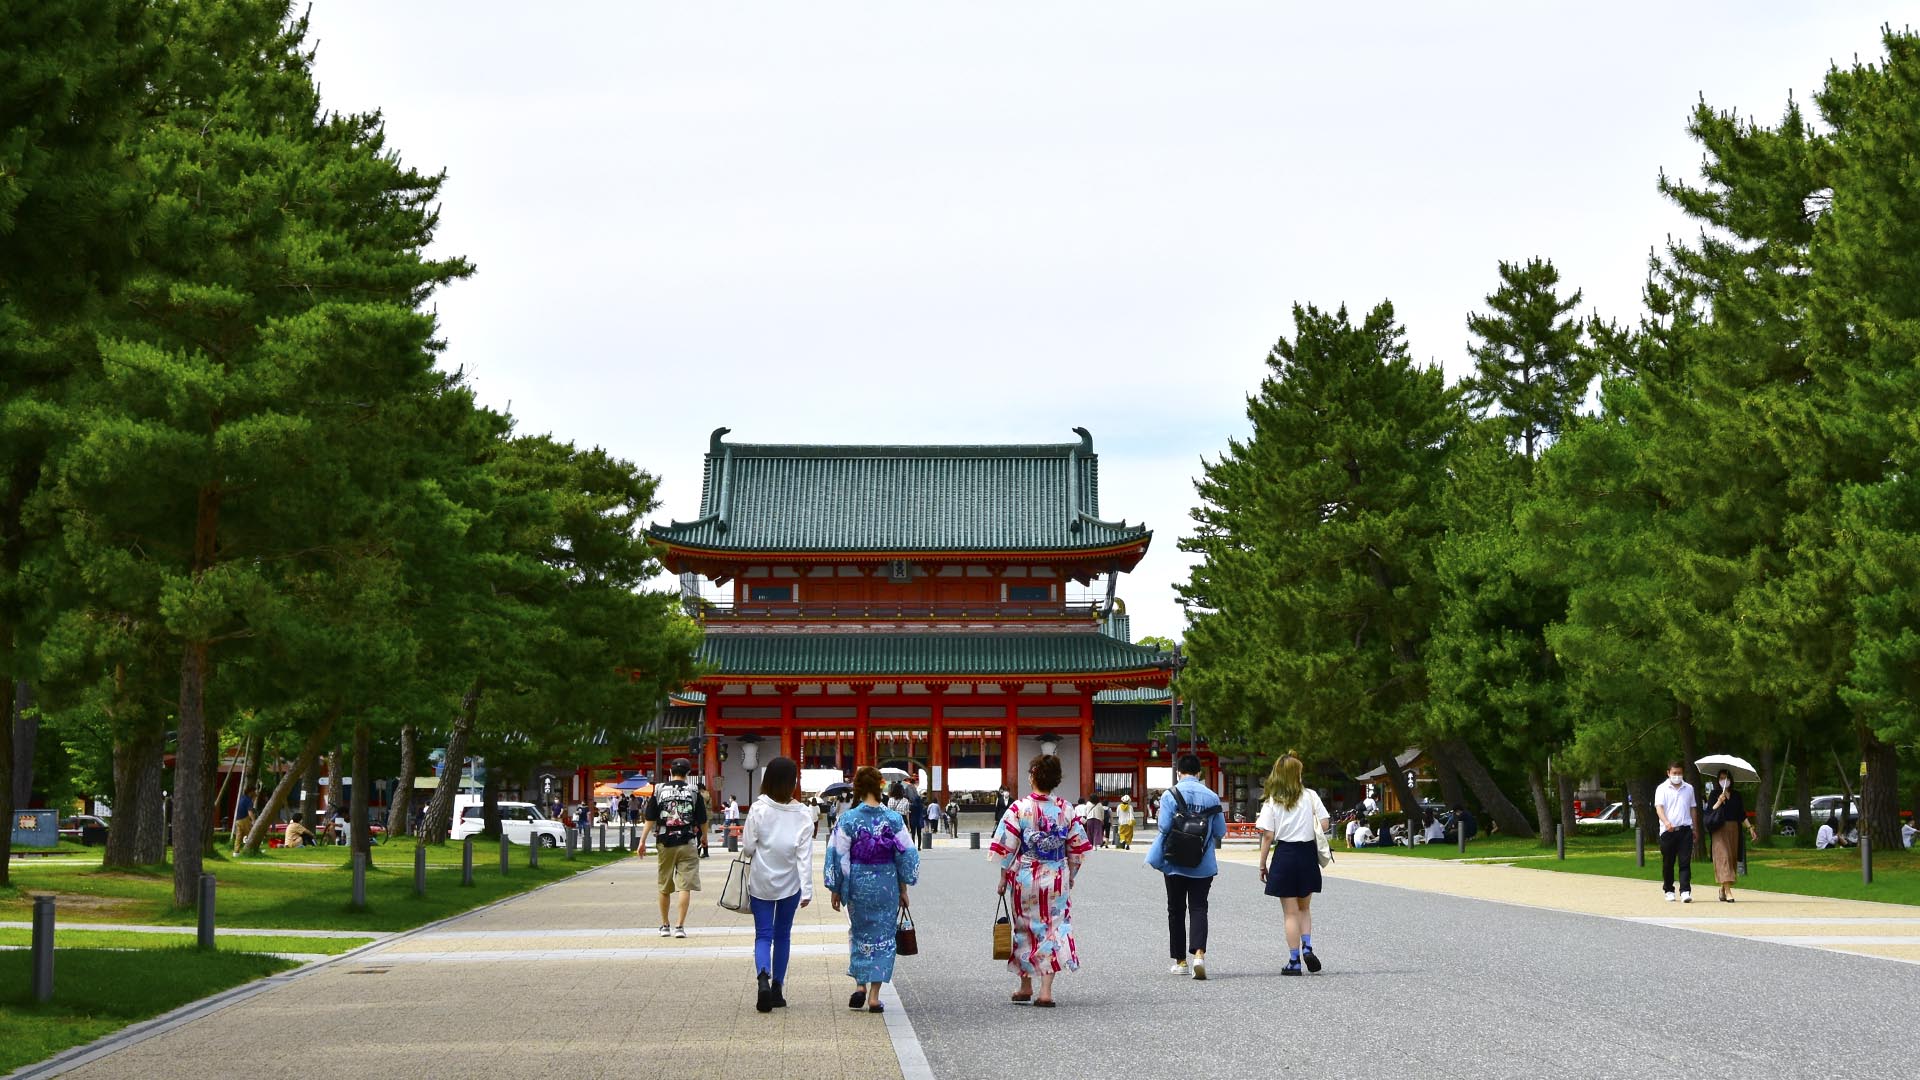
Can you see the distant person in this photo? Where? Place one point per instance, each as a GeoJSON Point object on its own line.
{"type": "Point", "coordinates": [1123, 824]}
{"type": "Point", "coordinates": [1040, 848]}
{"type": "Point", "coordinates": [1726, 815]}
{"type": "Point", "coordinates": [731, 815]}
{"type": "Point", "coordinates": [778, 839]}
{"type": "Point", "coordinates": [1674, 802]}
{"type": "Point", "coordinates": [1292, 817]}
{"type": "Point", "coordinates": [1353, 826]}
{"type": "Point", "coordinates": [916, 814]}
{"type": "Point", "coordinates": [870, 863]}
{"type": "Point", "coordinates": [1363, 836]}
{"type": "Point", "coordinates": [1906, 834]}
{"type": "Point", "coordinates": [1183, 853]}
{"type": "Point", "coordinates": [243, 818]}
{"type": "Point", "coordinates": [1106, 824]}
{"type": "Point", "coordinates": [298, 835]}
{"type": "Point", "coordinates": [1436, 830]}
{"type": "Point", "coordinates": [1829, 835]}
{"type": "Point", "coordinates": [678, 813]}
{"type": "Point", "coordinates": [1463, 819]}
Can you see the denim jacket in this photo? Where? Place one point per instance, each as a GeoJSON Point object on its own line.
{"type": "Point", "coordinates": [1198, 797]}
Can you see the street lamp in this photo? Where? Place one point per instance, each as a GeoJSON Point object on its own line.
{"type": "Point", "coordinates": [1049, 744]}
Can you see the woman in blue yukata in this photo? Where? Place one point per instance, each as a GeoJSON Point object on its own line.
{"type": "Point", "coordinates": [1039, 846]}
{"type": "Point", "coordinates": [870, 862]}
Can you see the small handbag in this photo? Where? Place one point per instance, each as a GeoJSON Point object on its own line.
{"type": "Point", "coordinates": [1003, 933]}
{"type": "Point", "coordinates": [905, 941]}
{"type": "Point", "coordinates": [1323, 848]}
{"type": "Point", "coordinates": [733, 894]}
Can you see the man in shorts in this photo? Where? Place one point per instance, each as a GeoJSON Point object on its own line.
{"type": "Point", "coordinates": [678, 814]}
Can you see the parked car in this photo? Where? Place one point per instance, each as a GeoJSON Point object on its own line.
{"type": "Point", "coordinates": [1787, 822]}
{"type": "Point", "coordinates": [1617, 815]}
{"type": "Point", "coordinates": [84, 829]}
{"type": "Point", "coordinates": [521, 822]}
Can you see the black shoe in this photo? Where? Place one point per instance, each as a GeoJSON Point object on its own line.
{"type": "Point", "coordinates": [779, 994]}
{"type": "Point", "coordinates": [858, 1000]}
{"type": "Point", "coordinates": [1312, 961]}
{"type": "Point", "coordinates": [763, 1002]}
{"type": "Point", "coordinates": [1292, 969]}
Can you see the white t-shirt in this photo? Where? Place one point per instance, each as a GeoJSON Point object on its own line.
{"type": "Point", "coordinates": [1825, 838]}
{"type": "Point", "coordinates": [1362, 837]}
{"type": "Point", "coordinates": [1677, 801]}
{"type": "Point", "coordinates": [1907, 832]}
{"type": "Point", "coordinates": [1295, 825]}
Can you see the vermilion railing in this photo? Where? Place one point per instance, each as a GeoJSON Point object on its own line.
{"type": "Point", "coordinates": [884, 610]}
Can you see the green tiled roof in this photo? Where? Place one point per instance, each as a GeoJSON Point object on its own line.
{"type": "Point", "coordinates": [765, 497]}
{"type": "Point", "coordinates": [1133, 695]}
{"type": "Point", "coordinates": [923, 654]}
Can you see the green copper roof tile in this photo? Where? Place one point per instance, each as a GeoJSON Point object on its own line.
{"type": "Point", "coordinates": [765, 497]}
{"type": "Point", "coordinates": [932, 655]}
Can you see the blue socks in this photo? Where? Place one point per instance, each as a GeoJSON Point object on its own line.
{"type": "Point", "coordinates": [1293, 956]}
{"type": "Point", "coordinates": [1306, 942]}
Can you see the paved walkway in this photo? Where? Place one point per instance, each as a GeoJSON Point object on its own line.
{"type": "Point", "coordinates": [572, 980]}
{"type": "Point", "coordinates": [1888, 931]}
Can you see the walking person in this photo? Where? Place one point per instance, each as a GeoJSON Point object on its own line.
{"type": "Point", "coordinates": [730, 816]}
{"type": "Point", "coordinates": [870, 863]}
{"type": "Point", "coordinates": [1184, 856]}
{"type": "Point", "coordinates": [678, 813]}
{"type": "Point", "coordinates": [933, 816]}
{"type": "Point", "coordinates": [778, 838]}
{"type": "Point", "coordinates": [916, 814]}
{"type": "Point", "coordinates": [1123, 829]}
{"type": "Point", "coordinates": [243, 818]}
{"type": "Point", "coordinates": [1040, 847]}
{"type": "Point", "coordinates": [1291, 818]}
{"type": "Point", "coordinates": [1674, 801]}
{"type": "Point", "coordinates": [1726, 814]}
{"type": "Point", "coordinates": [1106, 824]}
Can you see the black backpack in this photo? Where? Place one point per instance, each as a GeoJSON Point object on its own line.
{"type": "Point", "coordinates": [1186, 835]}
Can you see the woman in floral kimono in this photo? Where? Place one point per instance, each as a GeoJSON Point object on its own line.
{"type": "Point", "coordinates": [870, 862]}
{"type": "Point", "coordinates": [1040, 846]}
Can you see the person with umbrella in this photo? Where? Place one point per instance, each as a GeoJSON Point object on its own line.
{"type": "Point", "coordinates": [1726, 813]}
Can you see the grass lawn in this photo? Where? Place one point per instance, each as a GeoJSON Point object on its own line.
{"type": "Point", "coordinates": [124, 939]}
{"type": "Point", "coordinates": [98, 991]}
{"type": "Point", "coordinates": [300, 889]}
{"type": "Point", "coordinates": [1834, 872]}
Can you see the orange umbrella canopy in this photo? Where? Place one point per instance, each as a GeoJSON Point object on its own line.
{"type": "Point", "coordinates": [601, 791]}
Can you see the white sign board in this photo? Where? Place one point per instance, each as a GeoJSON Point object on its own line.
{"type": "Point", "coordinates": [813, 781]}
{"type": "Point", "coordinates": [1159, 777]}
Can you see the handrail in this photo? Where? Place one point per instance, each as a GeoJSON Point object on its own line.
{"type": "Point", "coordinates": [885, 610]}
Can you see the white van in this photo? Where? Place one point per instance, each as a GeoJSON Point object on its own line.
{"type": "Point", "coordinates": [521, 822]}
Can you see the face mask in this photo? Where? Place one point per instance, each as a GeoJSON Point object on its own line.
{"type": "Point", "coordinates": [1723, 785]}
{"type": "Point", "coordinates": [1674, 780]}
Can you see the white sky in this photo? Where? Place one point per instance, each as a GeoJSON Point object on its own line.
{"type": "Point", "coordinates": [873, 222]}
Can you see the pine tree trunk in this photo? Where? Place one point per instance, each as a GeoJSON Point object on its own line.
{"type": "Point", "coordinates": [439, 818]}
{"type": "Point", "coordinates": [490, 804]}
{"type": "Point", "coordinates": [1492, 799]}
{"type": "Point", "coordinates": [136, 835]}
{"type": "Point", "coordinates": [1450, 787]}
{"type": "Point", "coordinates": [1803, 797]}
{"type": "Point", "coordinates": [400, 807]}
{"type": "Point", "coordinates": [216, 791]}
{"type": "Point", "coordinates": [1563, 789]}
{"type": "Point", "coordinates": [26, 739]}
{"type": "Point", "coordinates": [6, 802]}
{"type": "Point", "coordinates": [1689, 753]}
{"type": "Point", "coordinates": [1542, 806]}
{"type": "Point", "coordinates": [1763, 799]}
{"type": "Point", "coordinates": [1640, 797]}
{"type": "Point", "coordinates": [267, 816]}
{"type": "Point", "coordinates": [190, 775]}
{"type": "Point", "coordinates": [358, 833]}
{"type": "Point", "coordinates": [1879, 794]}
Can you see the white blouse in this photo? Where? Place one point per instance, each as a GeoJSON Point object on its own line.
{"type": "Point", "coordinates": [1292, 826]}
{"type": "Point", "coordinates": [779, 839]}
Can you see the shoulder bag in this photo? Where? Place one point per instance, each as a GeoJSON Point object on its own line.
{"type": "Point", "coordinates": [905, 941]}
{"type": "Point", "coordinates": [733, 894]}
{"type": "Point", "coordinates": [1003, 933]}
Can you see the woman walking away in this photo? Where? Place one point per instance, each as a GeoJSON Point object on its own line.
{"type": "Point", "coordinates": [778, 837]}
{"type": "Point", "coordinates": [1123, 832]}
{"type": "Point", "coordinates": [870, 862]}
{"type": "Point", "coordinates": [1040, 846]}
{"type": "Point", "coordinates": [1726, 813]}
{"type": "Point", "coordinates": [1290, 818]}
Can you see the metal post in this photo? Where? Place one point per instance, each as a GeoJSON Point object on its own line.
{"type": "Point", "coordinates": [1560, 840]}
{"type": "Point", "coordinates": [586, 838]}
{"type": "Point", "coordinates": [466, 861]}
{"type": "Point", "coordinates": [1639, 845]}
{"type": "Point", "coordinates": [419, 869]}
{"type": "Point", "coordinates": [926, 840]}
{"type": "Point", "coordinates": [571, 839]}
{"type": "Point", "coordinates": [1866, 858]}
{"type": "Point", "coordinates": [623, 834]}
{"type": "Point", "coordinates": [206, 912]}
{"type": "Point", "coordinates": [533, 851]}
{"type": "Point", "coordinates": [42, 949]}
{"type": "Point", "coordinates": [973, 841]}
{"type": "Point", "coordinates": [603, 836]}
{"type": "Point", "coordinates": [1460, 833]}
{"type": "Point", "coordinates": [359, 879]}
{"type": "Point", "coordinates": [504, 845]}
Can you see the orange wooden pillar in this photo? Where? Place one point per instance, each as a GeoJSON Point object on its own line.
{"type": "Point", "coordinates": [862, 743]}
{"type": "Point", "coordinates": [1086, 742]}
{"type": "Point", "coordinates": [1009, 751]}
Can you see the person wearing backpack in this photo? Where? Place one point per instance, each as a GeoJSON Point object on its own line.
{"type": "Point", "coordinates": [1292, 818]}
{"type": "Point", "coordinates": [1192, 821]}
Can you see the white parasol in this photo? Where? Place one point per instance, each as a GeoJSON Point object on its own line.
{"type": "Point", "coordinates": [1740, 767]}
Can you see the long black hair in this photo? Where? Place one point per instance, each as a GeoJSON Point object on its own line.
{"type": "Point", "coordinates": [780, 780]}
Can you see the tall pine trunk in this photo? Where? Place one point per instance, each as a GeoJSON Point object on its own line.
{"type": "Point", "coordinates": [1803, 795]}
{"type": "Point", "coordinates": [1563, 791]}
{"type": "Point", "coordinates": [1689, 753]}
{"type": "Point", "coordinates": [490, 805]}
{"type": "Point", "coordinates": [439, 817]}
{"type": "Point", "coordinates": [1763, 799]}
{"type": "Point", "coordinates": [136, 834]}
{"type": "Point", "coordinates": [1640, 797]}
{"type": "Point", "coordinates": [190, 775]}
{"type": "Point", "coordinates": [1492, 799]}
{"type": "Point", "coordinates": [1879, 794]}
{"type": "Point", "coordinates": [6, 802]}
{"type": "Point", "coordinates": [1542, 806]}
{"type": "Point", "coordinates": [358, 832]}
{"type": "Point", "coordinates": [26, 740]}
{"type": "Point", "coordinates": [265, 817]}
{"type": "Point", "coordinates": [1450, 787]}
{"type": "Point", "coordinates": [400, 807]}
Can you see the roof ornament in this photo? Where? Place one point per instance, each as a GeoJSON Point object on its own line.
{"type": "Point", "coordinates": [722, 503]}
{"type": "Point", "coordinates": [714, 440]}
{"type": "Point", "coordinates": [1073, 478]}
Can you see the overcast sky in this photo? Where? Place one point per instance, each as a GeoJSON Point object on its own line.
{"type": "Point", "coordinates": [916, 222]}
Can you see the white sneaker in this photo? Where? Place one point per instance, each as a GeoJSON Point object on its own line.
{"type": "Point", "coordinates": [1686, 897]}
{"type": "Point", "coordinates": [1199, 966]}
{"type": "Point", "coordinates": [1179, 968]}
{"type": "Point", "coordinates": [1670, 898]}
{"type": "Point", "coordinates": [666, 930]}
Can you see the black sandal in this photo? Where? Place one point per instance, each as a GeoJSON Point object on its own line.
{"type": "Point", "coordinates": [877, 1007]}
{"type": "Point", "coordinates": [858, 1000]}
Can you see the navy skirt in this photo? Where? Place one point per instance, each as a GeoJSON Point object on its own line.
{"type": "Point", "coordinates": [1294, 869]}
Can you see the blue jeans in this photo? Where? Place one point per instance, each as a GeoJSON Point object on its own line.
{"type": "Point", "coordinates": [773, 934]}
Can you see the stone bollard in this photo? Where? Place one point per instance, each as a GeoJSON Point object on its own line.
{"type": "Point", "coordinates": [1460, 833]}
{"type": "Point", "coordinates": [1560, 841]}
{"type": "Point", "coordinates": [359, 880]}
{"type": "Point", "coordinates": [926, 839]}
{"type": "Point", "coordinates": [1866, 858]}
{"type": "Point", "coordinates": [42, 949]}
{"type": "Point", "coordinates": [466, 861]}
{"type": "Point", "coordinates": [973, 841]}
{"type": "Point", "coordinates": [603, 836]}
{"type": "Point", "coordinates": [623, 835]}
{"type": "Point", "coordinates": [533, 851]}
{"type": "Point", "coordinates": [419, 869]}
{"type": "Point", "coordinates": [570, 842]}
{"type": "Point", "coordinates": [1639, 845]}
{"type": "Point", "coordinates": [586, 839]}
{"type": "Point", "coordinates": [206, 912]}
{"type": "Point", "coordinates": [504, 845]}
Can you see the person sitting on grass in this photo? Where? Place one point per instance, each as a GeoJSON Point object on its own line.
{"type": "Point", "coordinates": [298, 835]}
{"type": "Point", "coordinates": [1829, 834]}
{"type": "Point", "coordinates": [1362, 836]}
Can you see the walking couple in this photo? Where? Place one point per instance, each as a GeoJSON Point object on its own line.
{"type": "Point", "coordinates": [1192, 823]}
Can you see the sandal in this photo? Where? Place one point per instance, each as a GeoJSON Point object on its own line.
{"type": "Point", "coordinates": [877, 1007]}
{"type": "Point", "coordinates": [1043, 1004]}
{"type": "Point", "coordinates": [1021, 997]}
{"type": "Point", "coordinates": [858, 1000]}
